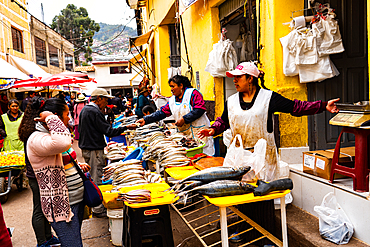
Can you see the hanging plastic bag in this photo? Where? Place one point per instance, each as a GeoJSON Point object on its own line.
{"type": "Point", "coordinates": [234, 155]}
{"type": "Point", "coordinates": [255, 160]}
{"type": "Point", "coordinates": [334, 224]}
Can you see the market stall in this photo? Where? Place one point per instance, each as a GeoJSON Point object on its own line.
{"type": "Point", "coordinates": [11, 166]}
{"type": "Point", "coordinates": [157, 167]}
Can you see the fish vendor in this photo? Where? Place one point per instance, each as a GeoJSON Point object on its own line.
{"type": "Point", "coordinates": [92, 128]}
{"type": "Point", "coordinates": [188, 108]}
{"type": "Point", "coordinates": [249, 113]}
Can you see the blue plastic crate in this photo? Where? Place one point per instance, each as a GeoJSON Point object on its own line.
{"type": "Point", "coordinates": [119, 139]}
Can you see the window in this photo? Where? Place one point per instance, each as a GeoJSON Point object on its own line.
{"type": "Point", "coordinates": [175, 57]}
{"type": "Point", "coordinates": [17, 40]}
{"type": "Point", "coordinates": [53, 56]}
{"type": "Point", "coordinates": [119, 70]}
{"type": "Point", "coordinates": [69, 62]}
{"type": "Point", "coordinates": [40, 51]}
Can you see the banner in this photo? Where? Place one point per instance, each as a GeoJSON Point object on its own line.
{"type": "Point", "coordinates": [184, 4]}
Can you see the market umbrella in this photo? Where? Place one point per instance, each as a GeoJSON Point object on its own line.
{"type": "Point", "coordinates": [57, 79]}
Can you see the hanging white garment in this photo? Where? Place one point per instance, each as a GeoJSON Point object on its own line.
{"type": "Point", "coordinates": [251, 124]}
{"type": "Point", "coordinates": [179, 109]}
{"type": "Point", "coordinates": [306, 50]}
{"type": "Point", "coordinates": [329, 40]}
{"type": "Point", "coordinates": [289, 66]}
{"type": "Point", "coordinates": [246, 53]}
{"type": "Point", "coordinates": [173, 71]}
{"type": "Point", "coordinates": [222, 58]}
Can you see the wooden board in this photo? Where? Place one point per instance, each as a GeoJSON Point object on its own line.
{"type": "Point", "coordinates": [209, 162]}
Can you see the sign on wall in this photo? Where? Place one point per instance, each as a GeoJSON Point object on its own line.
{"type": "Point", "coordinates": [184, 4]}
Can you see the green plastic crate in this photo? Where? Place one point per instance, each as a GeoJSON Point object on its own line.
{"type": "Point", "coordinates": [193, 151]}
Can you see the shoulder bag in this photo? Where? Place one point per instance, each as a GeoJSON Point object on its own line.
{"type": "Point", "coordinates": [92, 194]}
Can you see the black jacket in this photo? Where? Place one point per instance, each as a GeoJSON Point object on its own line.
{"type": "Point", "coordinates": [117, 102]}
{"type": "Point", "coordinates": [92, 128]}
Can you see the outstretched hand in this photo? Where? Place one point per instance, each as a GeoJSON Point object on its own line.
{"type": "Point", "coordinates": [131, 126]}
{"type": "Point", "coordinates": [206, 132]}
{"type": "Point", "coordinates": [331, 107]}
{"type": "Point", "coordinates": [141, 122]}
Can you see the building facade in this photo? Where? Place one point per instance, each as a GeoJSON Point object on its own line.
{"type": "Point", "coordinates": [52, 52]}
{"type": "Point", "coordinates": [116, 76]}
{"type": "Point", "coordinates": [15, 36]}
{"type": "Point", "coordinates": [202, 23]}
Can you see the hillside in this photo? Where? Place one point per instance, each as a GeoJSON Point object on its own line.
{"type": "Point", "coordinates": [112, 39]}
{"type": "Point", "coordinates": [108, 31]}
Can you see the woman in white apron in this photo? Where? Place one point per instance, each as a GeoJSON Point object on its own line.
{"type": "Point", "coordinates": [250, 111]}
{"type": "Point", "coordinates": [188, 108]}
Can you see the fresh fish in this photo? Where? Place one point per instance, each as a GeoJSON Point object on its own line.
{"type": "Point", "coordinates": [217, 173]}
{"type": "Point", "coordinates": [223, 188]}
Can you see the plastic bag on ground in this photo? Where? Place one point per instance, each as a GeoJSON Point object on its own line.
{"type": "Point", "coordinates": [334, 224]}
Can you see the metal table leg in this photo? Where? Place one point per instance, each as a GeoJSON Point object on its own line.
{"type": "Point", "coordinates": [283, 222]}
{"type": "Point", "coordinates": [223, 223]}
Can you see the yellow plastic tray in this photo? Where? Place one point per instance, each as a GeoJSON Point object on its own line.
{"type": "Point", "coordinates": [110, 198]}
{"type": "Point", "coordinates": [226, 201]}
{"type": "Point", "coordinates": [159, 197]}
{"type": "Point", "coordinates": [181, 172]}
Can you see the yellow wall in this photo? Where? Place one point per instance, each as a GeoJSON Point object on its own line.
{"type": "Point", "coordinates": [293, 130]}
{"type": "Point", "coordinates": [12, 15]}
{"type": "Point", "coordinates": [162, 58]}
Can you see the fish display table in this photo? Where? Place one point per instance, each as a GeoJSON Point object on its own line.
{"type": "Point", "coordinates": [228, 202]}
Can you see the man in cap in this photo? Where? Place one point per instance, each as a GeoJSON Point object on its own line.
{"type": "Point", "coordinates": [92, 128]}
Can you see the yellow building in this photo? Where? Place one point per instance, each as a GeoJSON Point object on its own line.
{"type": "Point", "coordinates": [15, 37]}
{"type": "Point", "coordinates": [201, 27]}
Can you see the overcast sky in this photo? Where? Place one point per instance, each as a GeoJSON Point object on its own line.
{"type": "Point", "coordinates": [106, 11]}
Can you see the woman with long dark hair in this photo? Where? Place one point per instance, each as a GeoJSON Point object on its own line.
{"type": "Point", "coordinates": [187, 107]}
{"type": "Point", "coordinates": [45, 129]}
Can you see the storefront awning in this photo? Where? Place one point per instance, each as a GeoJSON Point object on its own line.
{"type": "Point", "coordinates": [140, 40]}
{"type": "Point", "coordinates": [139, 56]}
{"type": "Point", "coordinates": [27, 67]}
{"type": "Point", "coordinates": [8, 71]}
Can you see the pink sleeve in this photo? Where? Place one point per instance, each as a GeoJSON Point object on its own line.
{"type": "Point", "coordinates": [166, 109]}
{"type": "Point", "coordinates": [197, 101]}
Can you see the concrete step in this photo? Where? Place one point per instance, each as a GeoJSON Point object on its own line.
{"type": "Point", "coordinates": [303, 230]}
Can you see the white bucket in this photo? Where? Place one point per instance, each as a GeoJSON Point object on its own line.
{"type": "Point", "coordinates": [116, 225]}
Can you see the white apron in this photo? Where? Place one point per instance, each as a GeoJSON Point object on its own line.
{"type": "Point", "coordinates": [179, 109]}
{"type": "Point", "coordinates": [252, 125]}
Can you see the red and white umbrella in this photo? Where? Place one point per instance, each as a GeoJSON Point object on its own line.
{"type": "Point", "coordinates": [63, 78]}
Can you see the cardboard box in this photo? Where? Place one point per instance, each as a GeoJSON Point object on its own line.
{"type": "Point", "coordinates": [318, 162]}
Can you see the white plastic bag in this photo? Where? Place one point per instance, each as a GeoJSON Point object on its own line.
{"type": "Point", "coordinates": [334, 224]}
{"type": "Point", "coordinates": [226, 137]}
{"type": "Point", "coordinates": [234, 155]}
{"type": "Point", "coordinates": [237, 156]}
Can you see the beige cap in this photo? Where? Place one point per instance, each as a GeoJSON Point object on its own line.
{"type": "Point", "coordinates": [101, 92]}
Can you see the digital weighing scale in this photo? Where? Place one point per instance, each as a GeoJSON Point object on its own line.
{"type": "Point", "coordinates": [352, 114]}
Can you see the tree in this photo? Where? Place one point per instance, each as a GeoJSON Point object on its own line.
{"type": "Point", "coordinates": [77, 27]}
